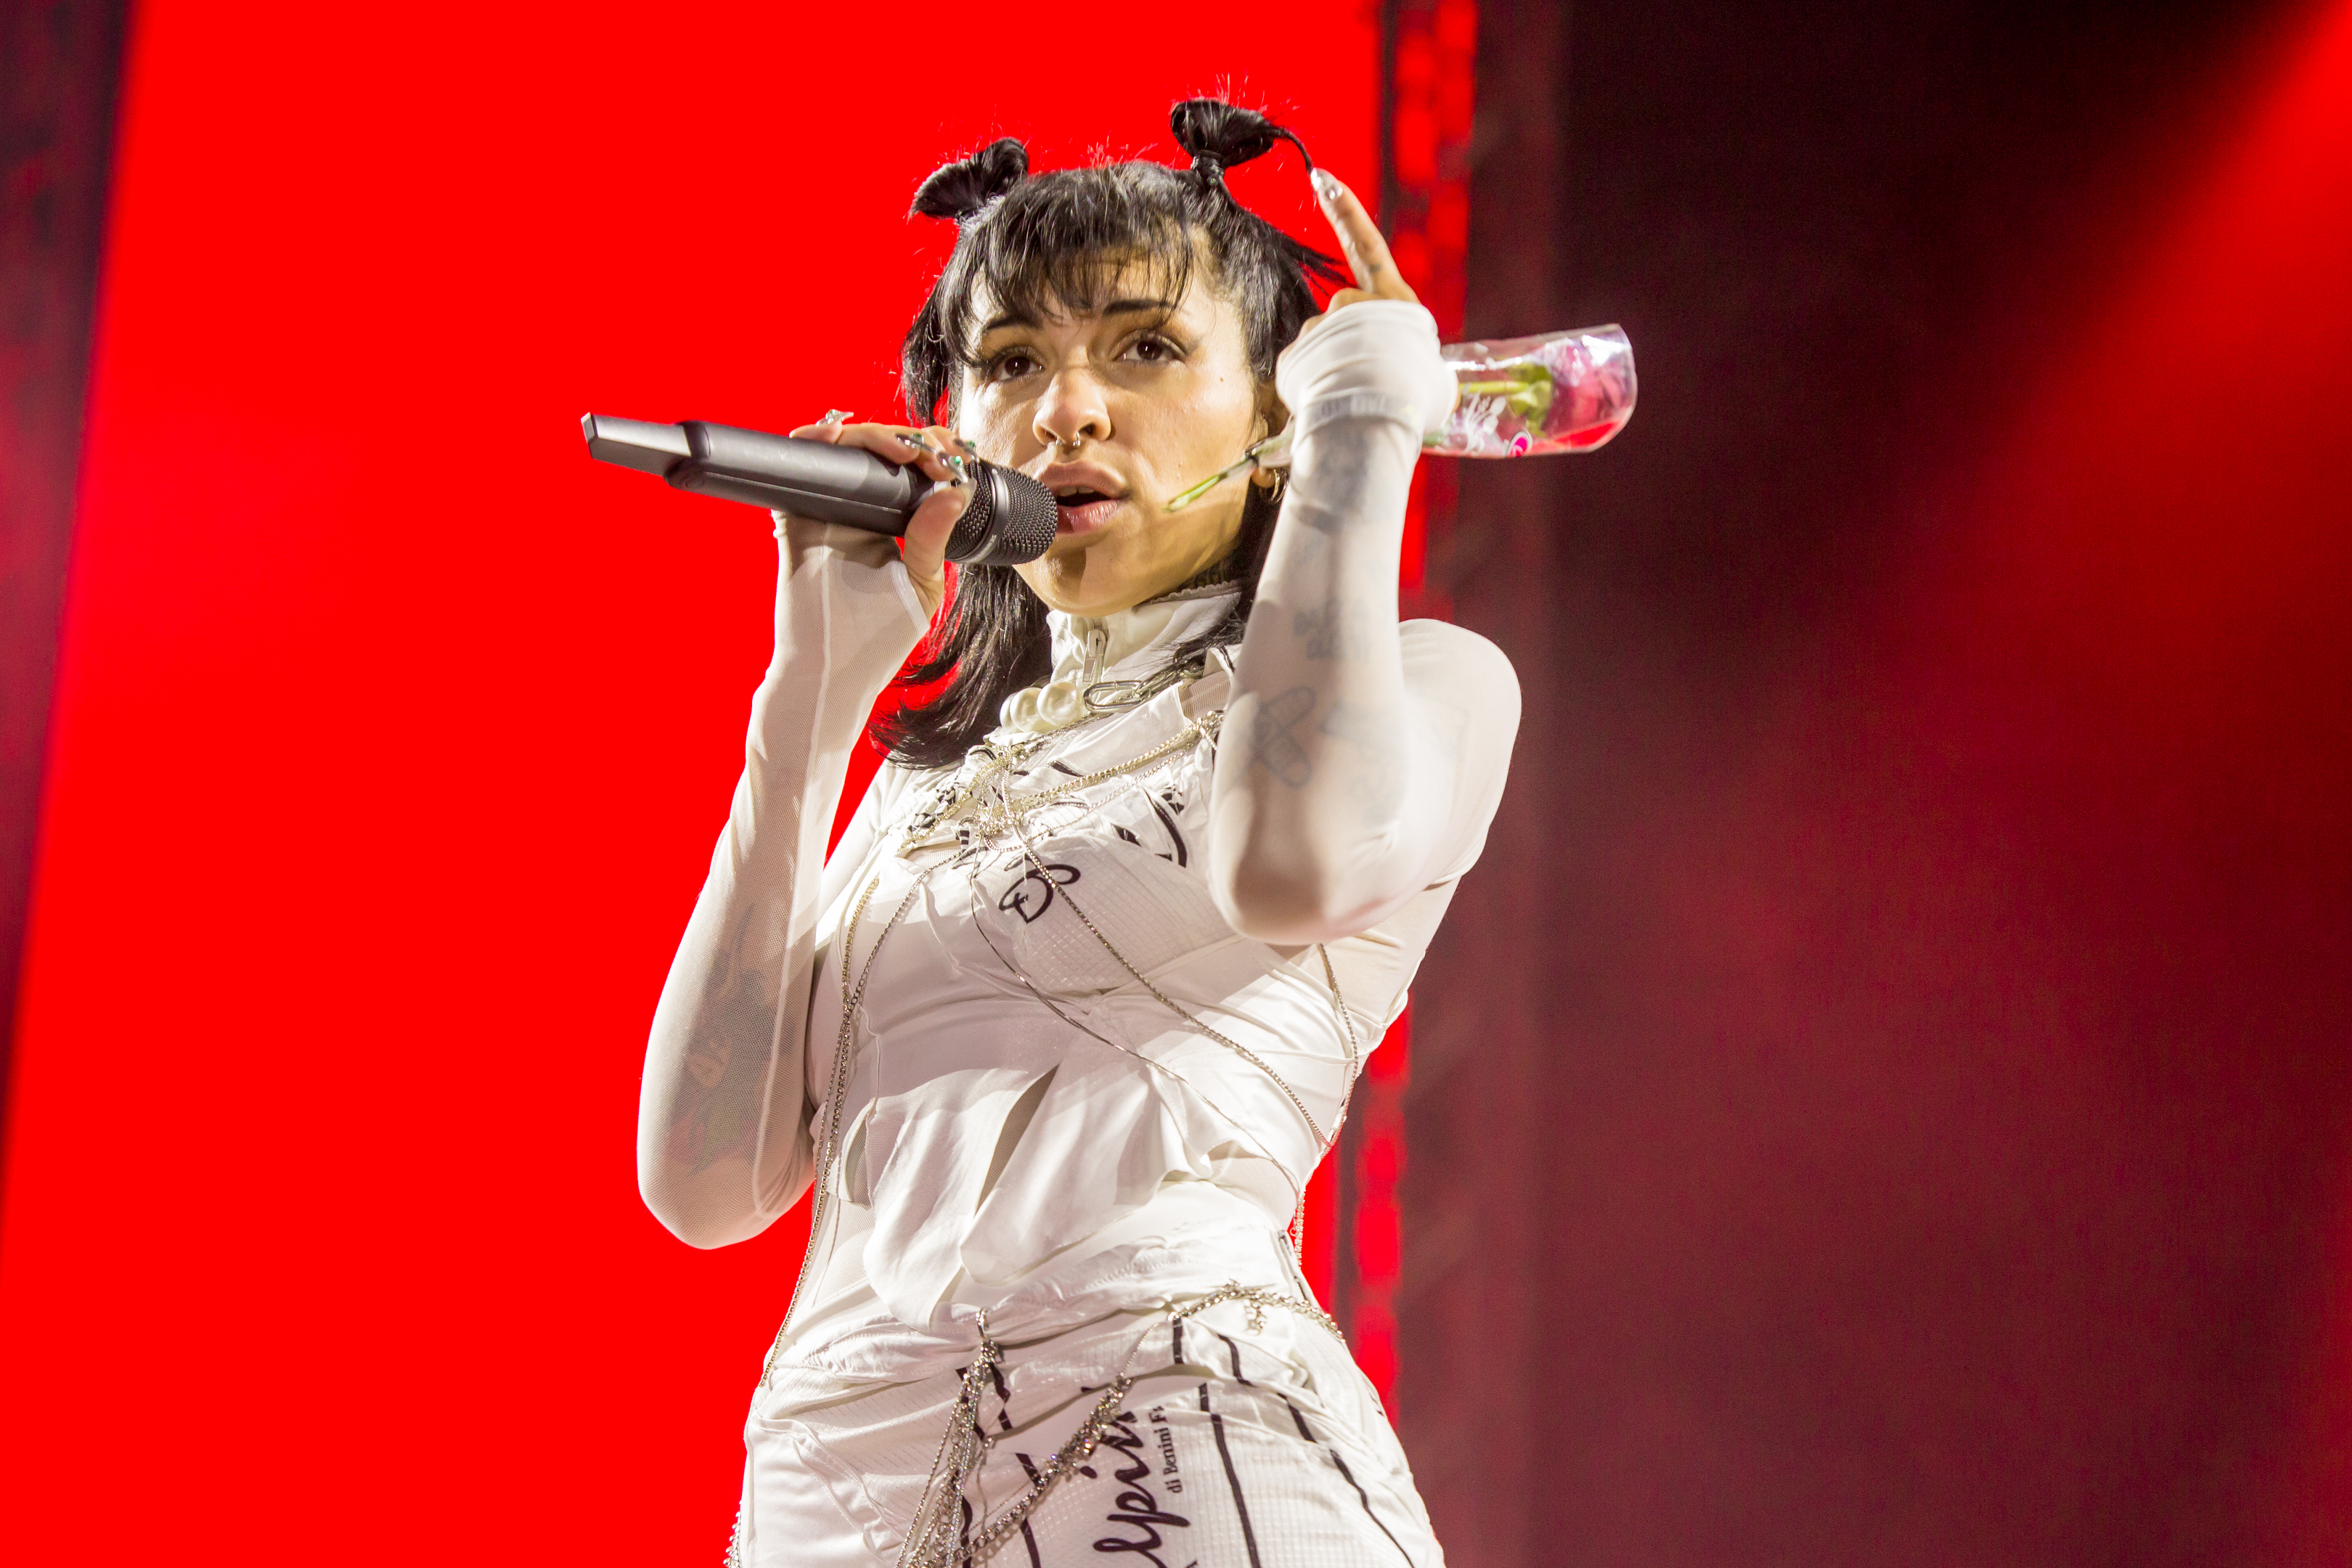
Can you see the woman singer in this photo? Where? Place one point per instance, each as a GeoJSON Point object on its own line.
{"type": "Point", "coordinates": [1063, 1025]}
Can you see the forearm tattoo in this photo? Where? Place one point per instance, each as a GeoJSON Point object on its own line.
{"type": "Point", "coordinates": [1338, 630]}
{"type": "Point", "coordinates": [1342, 470]}
{"type": "Point", "coordinates": [1272, 744]}
{"type": "Point", "coordinates": [718, 1112]}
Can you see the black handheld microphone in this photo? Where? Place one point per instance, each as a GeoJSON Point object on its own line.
{"type": "Point", "coordinates": [1012, 517]}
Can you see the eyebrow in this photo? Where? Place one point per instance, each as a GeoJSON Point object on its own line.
{"type": "Point", "coordinates": [1115, 307]}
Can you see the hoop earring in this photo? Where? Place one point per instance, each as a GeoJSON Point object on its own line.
{"type": "Point", "coordinates": [1281, 482]}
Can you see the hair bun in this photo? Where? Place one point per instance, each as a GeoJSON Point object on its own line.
{"type": "Point", "coordinates": [1219, 134]}
{"type": "Point", "coordinates": [963, 187]}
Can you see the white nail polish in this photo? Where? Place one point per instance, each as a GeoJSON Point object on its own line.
{"type": "Point", "coordinates": [1327, 185]}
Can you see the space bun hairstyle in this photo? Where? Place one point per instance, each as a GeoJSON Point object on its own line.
{"type": "Point", "coordinates": [1049, 244]}
{"type": "Point", "coordinates": [963, 189]}
{"type": "Point", "coordinates": [1219, 135]}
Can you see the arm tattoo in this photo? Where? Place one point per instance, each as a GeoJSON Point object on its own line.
{"type": "Point", "coordinates": [1338, 630]}
{"type": "Point", "coordinates": [718, 1108]}
{"type": "Point", "coordinates": [1342, 481]}
{"type": "Point", "coordinates": [1271, 744]}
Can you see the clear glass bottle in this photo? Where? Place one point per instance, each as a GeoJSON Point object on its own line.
{"type": "Point", "coordinates": [1521, 397]}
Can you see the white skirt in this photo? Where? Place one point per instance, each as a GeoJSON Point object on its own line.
{"type": "Point", "coordinates": [1239, 1444]}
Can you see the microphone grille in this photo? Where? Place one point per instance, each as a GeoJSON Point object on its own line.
{"type": "Point", "coordinates": [1012, 519]}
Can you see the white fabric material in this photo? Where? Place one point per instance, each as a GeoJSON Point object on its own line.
{"type": "Point", "coordinates": [1043, 1161]}
{"type": "Point", "coordinates": [1085, 649]}
{"type": "Point", "coordinates": [722, 1128]}
{"type": "Point", "coordinates": [1063, 1161]}
{"type": "Point", "coordinates": [1377, 358]}
{"type": "Point", "coordinates": [1235, 1446]}
{"type": "Point", "coordinates": [1341, 783]}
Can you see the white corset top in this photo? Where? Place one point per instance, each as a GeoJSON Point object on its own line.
{"type": "Point", "coordinates": [1072, 1086]}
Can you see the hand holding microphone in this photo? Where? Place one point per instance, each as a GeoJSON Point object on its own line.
{"type": "Point", "coordinates": [931, 526]}
{"type": "Point", "coordinates": [882, 478]}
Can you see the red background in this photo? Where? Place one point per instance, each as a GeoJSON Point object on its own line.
{"type": "Point", "coordinates": [1883, 1097]}
{"type": "Point", "coordinates": [392, 735]}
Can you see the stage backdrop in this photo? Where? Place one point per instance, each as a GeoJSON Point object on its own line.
{"type": "Point", "coordinates": [393, 735]}
{"type": "Point", "coordinates": [1887, 1102]}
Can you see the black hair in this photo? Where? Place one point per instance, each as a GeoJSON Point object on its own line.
{"type": "Point", "coordinates": [1055, 243]}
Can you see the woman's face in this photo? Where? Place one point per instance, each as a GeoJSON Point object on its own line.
{"type": "Point", "coordinates": [1115, 411]}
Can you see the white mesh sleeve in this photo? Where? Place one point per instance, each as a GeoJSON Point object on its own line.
{"type": "Point", "coordinates": [723, 1137]}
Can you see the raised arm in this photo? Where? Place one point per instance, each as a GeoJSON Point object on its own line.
{"type": "Point", "coordinates": [1360, 761]}
{"type": "Point", "coordinates": [722, 1128]}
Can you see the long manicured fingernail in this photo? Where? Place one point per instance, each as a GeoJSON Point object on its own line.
{"type": "Point", "coordinates": [1327, 186]}
{"type": "Point", "coordinates": [834, 416]}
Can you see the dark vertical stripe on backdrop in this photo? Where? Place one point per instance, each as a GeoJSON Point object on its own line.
{"type": "Point", "coordinates": [57, 97]}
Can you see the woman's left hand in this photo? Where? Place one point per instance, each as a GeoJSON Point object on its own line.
{"type": "Point", "coordinates": [1361, 243]}
{"type": "Point", "coordinates": [1405, 354]}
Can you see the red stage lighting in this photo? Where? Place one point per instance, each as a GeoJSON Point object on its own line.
{"type": "Point", "coordinates": [392, 733]}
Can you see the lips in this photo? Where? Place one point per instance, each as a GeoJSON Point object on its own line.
{"type": "Point", "coordinates": [1083, 512]}
{"type": "Point", "coordinates": [1085, 496]}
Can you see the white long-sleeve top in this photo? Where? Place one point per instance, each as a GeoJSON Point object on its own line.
{"type": "Point", "coordinates": [1074, 1085]}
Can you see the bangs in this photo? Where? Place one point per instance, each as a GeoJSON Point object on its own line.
{"type": "Point", "coordinates": [1041, 262]}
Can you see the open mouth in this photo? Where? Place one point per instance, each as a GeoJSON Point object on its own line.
{"type": "Point", "coordinates": [1083, 508]}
